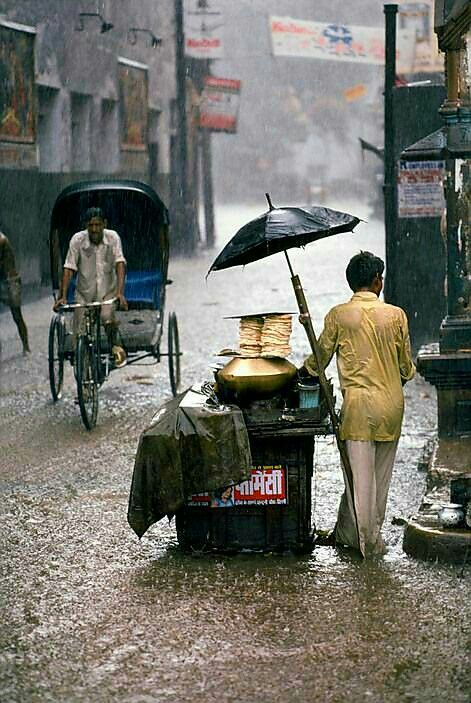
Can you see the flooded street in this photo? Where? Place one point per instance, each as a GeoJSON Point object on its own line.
{"type": "Point", "coordinates": [89, 613]}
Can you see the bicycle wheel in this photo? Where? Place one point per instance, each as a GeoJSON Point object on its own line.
{"type": "Point", "coordinates": [56, 356]}
{"type": "Point", "coordinates": [173, 354]}
{"type": "Point", "coordinates": [87, 383]}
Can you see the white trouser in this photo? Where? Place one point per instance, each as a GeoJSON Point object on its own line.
{"type": "Point", "coordinates": [372, 465]}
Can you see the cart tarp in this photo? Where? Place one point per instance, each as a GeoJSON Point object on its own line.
{"type": "Point", "coordinates": [189, 447]}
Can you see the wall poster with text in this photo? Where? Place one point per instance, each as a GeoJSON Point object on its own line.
{"type": "Point", "coordinates": [17, 88]}
{"type": "Point", "coordinates": [420, 188]}
{"type": "Point", "coordinates": [133, 90]}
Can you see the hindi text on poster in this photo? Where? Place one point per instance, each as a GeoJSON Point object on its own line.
{"type": "Point", "coordinates": [266, 486]}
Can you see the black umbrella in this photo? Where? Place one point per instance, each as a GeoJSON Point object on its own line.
{"type": "Point", "coordinates": [276, 231]}
{"type": "Point", "coordinates": [280, 229]}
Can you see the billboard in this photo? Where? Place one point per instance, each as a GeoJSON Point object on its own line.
{"type": "Point", "coordinates": [320, 40]}
{"type": "Point", "coordinates": [133, 104]}
{"type": "Point", "coordinates": [17, 91]}
{"type": "Point", "coordinates": [416, 50]}
{"type": "Point", "coordinates": [219, 107]}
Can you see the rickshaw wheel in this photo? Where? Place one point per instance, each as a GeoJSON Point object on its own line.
{"type": "Point", "coordinates": [173, 354]}
{"type": "Point", "coordinates": [56, 356]}
{"type": "Point", "coordinates": [87, 383]}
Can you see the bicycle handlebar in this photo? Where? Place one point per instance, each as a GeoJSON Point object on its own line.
{"type": "Point", "coordinates": [97, 304]}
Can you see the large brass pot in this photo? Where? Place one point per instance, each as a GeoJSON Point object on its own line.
{"type": "Point", "coordinates": [255, 378]}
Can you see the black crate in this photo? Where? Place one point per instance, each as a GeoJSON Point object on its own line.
{"type": "Point", "coordinates": [265, 528]}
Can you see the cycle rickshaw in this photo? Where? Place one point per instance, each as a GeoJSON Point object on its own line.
{"type": "Point", "coordinates": [139, 216]}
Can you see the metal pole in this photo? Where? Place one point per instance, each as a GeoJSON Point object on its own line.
{"type": "Point", "coordinates": [207, 173]}
{"type": "Point", "coordinates": [208, 195]}
{"type": "Point", "coordinates": [389, 185]}
{"type": "Point", "coordinates": [185, 239]}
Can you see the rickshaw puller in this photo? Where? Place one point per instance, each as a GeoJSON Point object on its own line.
{"type": "Point", "coordinates": [96, 255]}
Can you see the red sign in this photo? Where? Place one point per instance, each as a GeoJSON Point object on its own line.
{"type": "Point", "coordinates": [266, 486]}
{"type": "Point", "coordinates": [220, 104]}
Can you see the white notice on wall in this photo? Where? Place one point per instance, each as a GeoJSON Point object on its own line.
{"type": "Point", "coordinates": [420, 188]}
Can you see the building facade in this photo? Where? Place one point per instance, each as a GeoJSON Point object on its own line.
{"type": "Point", "coordinates": [86, 89]}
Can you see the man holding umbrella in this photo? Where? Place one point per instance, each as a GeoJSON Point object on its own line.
{"type": "Point", "coordinates": [371, 341]}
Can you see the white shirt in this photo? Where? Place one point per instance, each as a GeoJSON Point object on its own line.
{"type": "Point", "coordinates": [95, 265]}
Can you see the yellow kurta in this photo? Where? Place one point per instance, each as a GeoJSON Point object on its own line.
{"type": "Point", "coordinates": [371, 341]}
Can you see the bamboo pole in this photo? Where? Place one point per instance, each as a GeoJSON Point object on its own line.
{"type": "Point", "coordinates": [305, 319]}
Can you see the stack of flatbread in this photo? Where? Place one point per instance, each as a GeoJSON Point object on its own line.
{"type": "Point", "coordinates": [250, 335]}
{"type": "Point", "coordinates": [276, 333]}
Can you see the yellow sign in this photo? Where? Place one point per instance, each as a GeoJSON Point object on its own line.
{"type": "Point", "coordinates": [355, 92]}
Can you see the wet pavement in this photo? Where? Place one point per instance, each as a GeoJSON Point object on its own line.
{"type": "Point", "coordinates": [89, 613]}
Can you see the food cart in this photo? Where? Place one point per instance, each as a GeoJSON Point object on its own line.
{"type": "Point", "coordinates": [262, 500]}
{"type": "Point", "coordinates": [271, 510]}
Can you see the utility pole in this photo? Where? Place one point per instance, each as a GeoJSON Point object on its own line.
{"type": "Point", "coordinates": [207, 176]}
{"type": "Point", "coordinates": [389, 185]}
{"type": "Point", "coordinates": [185, 217]}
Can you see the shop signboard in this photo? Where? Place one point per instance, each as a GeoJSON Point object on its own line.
{"type": "Point", "coordinates": [219, 106]}
{"type": "Point", "coordinates": [203, 29]}
{"type": "Point", "coordinates": [420, 188]}
{"type": "Point", "coordinates": [320, 40]}
{"type": "Point", "coordinates": [266, 486]}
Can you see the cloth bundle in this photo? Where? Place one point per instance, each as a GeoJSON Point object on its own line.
{"type": "Point", "coordinates": [265, 336]}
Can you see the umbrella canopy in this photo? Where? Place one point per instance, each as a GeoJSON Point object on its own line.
{"type": "Point", "coordinates": [279, 229]}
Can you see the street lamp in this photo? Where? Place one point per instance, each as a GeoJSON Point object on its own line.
{"type": "Point", "coordinates": [105, 26]}
{"type": "Point", "coordinates": [132, 36]}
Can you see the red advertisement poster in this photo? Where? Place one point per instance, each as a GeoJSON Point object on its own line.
{"type": "Point", "coordinates": [266, 486]}
{"type": "Point", "coordinates": [220, 104]}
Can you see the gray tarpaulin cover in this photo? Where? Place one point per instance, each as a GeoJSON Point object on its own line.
{"type": "Point", "coordinates": [189, 447]}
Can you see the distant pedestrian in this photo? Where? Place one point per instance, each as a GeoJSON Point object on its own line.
{"type": "Point", "coordinates": [10, 288]}
{"type": "Point", "coordinates": [371, 341]}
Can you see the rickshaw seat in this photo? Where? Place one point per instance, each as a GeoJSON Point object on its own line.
{"type": "Point", "coordinates": [142, 290]}
{"type": "Point", "coordinates": [71, 291]}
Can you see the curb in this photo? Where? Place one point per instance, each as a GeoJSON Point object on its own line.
{"type": "Point", "coordinates": [432, 543]}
